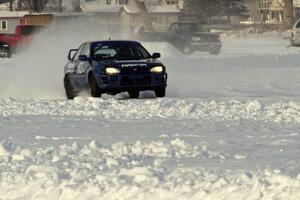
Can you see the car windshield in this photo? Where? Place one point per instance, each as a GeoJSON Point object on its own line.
{"type": "Point", "coordinates": [191, 27]}
{"type": "Point", "coordinates": [119, 51]}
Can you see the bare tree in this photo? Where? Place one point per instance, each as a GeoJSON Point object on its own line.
{"type": "Point", "coordinates": [145, 14]}
{"type": "Point", "coordinates": [76, 6]}
{"type": "Point", "coordinates": [10, 5]}
{"type": "Point", "coordinates": [288, 13]}
{"type": "Point", "coordinates": [32, 5]}
{"type": "Point", "coordinates": [60, 5]}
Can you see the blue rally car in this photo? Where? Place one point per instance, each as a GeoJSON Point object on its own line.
{"type": "Point", "coordinates": [113, 67]}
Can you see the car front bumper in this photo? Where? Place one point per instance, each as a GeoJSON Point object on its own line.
{"type": "Point", "coordinates": [205, 46]}
{"type": "Point", "coordinates": [127, 82]}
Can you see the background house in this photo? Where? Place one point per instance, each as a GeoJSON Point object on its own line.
{"type": "Point", "coordinates": [276, 12]}
{"type": "Point", "coordinates": [263, 8]}
{"type": "Point", "coordinates": [125, 15]}
{"type": "Point", "coordinates": [269, 13]}
{"type": "Point", "coordinates": [253, 15]}
{"type": "Point", "coordinates": [161, 12]}
{"type": "Point", "coordinates": [272, 11]}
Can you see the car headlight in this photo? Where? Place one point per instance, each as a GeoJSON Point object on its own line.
{"type": "Point", "coordinates": [112, 71]}
{"type": "Point", "coordinates": [157, 69]}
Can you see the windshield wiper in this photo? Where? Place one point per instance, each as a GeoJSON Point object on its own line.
{"type": "Point", "coordinates": [127, 58]}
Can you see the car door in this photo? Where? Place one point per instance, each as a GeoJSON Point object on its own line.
{"type": "Point", "coordinates": [73, 65]}
{"type": "Point", "coordinates": [83, 67]}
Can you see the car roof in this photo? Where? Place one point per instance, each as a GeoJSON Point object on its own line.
{"type": "Point", "coordinates": [186, 22]}
{"type": "Point", "coordinates": [115, 41]}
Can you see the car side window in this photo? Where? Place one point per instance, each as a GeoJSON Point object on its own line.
{"type": "Point", "coordinates": [76, 56]}
{"type": "Point", "coordinates": [298, 25]}
{"type": "Point", "coordinates": [86, 50]}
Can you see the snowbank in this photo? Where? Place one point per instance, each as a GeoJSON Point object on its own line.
{"type": "Point", "coordinates": [137, 171]}
{"type": "Point", "coordinates": [153, 108]}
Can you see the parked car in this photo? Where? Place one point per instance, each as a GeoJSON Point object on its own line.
{"type": "Point", "coordinates": [9, 43]}
{"type": "Point", "coordinates": [188, 37]}
{"type": "Point", "coordinates": [295, 34]}
{"type": "Point", "coordinates": [113, 67]}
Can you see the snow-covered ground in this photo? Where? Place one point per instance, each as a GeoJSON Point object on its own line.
{"type": "Point", "coordinates": [228, 128]}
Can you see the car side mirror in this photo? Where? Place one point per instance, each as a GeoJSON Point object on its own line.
{"type": "Point", "coordinates": [156, 55]}
{"type": "Point", "coordinates": [71, 53]}
{"type": "Point", "coordinates": [83, 58]}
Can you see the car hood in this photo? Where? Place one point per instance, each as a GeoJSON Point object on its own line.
{"type": "Point", "coordinates": [148, 63]}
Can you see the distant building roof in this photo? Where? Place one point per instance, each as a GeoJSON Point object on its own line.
{"type": "Point", "coordinates": [164, 9]}
{"type": "Point", "coordinates": [13, 13]}
{"type": "Point", "coordinates": [71, 14]}
{"type": "Point", "coordinates": [97, 6]}
{"type": "Point", "coordinates": [297, 3]}
{"type": "Point", "coordinates": [131, 9]}
{"type": "Point", "coordinates": [277, 5]}
{"type": "Point", "coordinates": [19, 14]}
{"type": "Point", "coordinates": [93, 7]}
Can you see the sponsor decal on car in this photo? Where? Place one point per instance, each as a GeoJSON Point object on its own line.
{"type": "Point", "coordinates": [133, 65]}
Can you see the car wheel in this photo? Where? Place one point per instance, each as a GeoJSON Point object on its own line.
{"type": "Point", "coordinates": [187, 50]}
{"type": "Point", "coordinates": [160, 92]}
{"type": "Point", "coordinates": [4, 52]}
{"type": "Point", "coordinates": [134, 94]}
{"type": "Point", "coordinates": [95, 90]}
{"type": "Point", "coordinates": [69, 89]}
{"type": "Point", "coordinates": [214, 51]}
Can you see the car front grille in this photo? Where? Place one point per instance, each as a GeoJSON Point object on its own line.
{"type": "Point", "coordinates": [135, 81]}
{"type": "Point", "coordinates": [135, 70]}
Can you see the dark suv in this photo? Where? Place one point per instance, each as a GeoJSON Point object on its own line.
{"type": "Point", "coordinates": [113, 67]}
{"type": "Point", "coordinates": [188, 37]}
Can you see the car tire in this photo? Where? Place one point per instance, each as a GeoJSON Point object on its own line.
{"type": "Point", "coordinates": [69, 89]}
{"type": "Point", "coordinates": [95, 90]}
{"type": "Point", "coordinates": [134, 94]}
{"type": "Point", "coordinates": [4, 52]}
{"type": "Point", "coordinates": [214, 51]}
{"type": "Point", "coordinates": [160, 92]}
